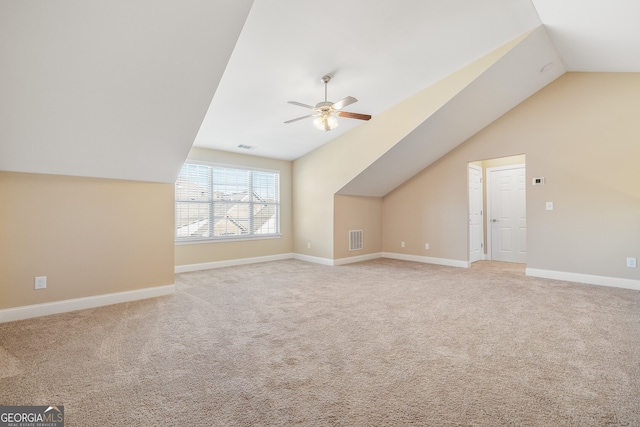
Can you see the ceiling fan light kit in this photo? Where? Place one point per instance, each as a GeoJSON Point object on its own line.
{"type": "Point", "coordinates": [326, 112]}
{"type": "Point", "coordinates": [326, 122]}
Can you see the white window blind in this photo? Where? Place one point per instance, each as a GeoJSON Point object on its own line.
{"type": "Point", "coordinates": [220, 202]}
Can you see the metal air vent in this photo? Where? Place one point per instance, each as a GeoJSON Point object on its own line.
{"type": "Point", "coordinates": [355, 240]}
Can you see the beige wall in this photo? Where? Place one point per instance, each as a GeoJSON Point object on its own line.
{"type": "Point", "coordinates": [357, 213]}
{"type": "Point", "coordinates": [429, 208]}
{"type": "Point", "coordinates": [501, 161]}
{"type": "Point", "coordinates": [582, 134]}
{"type": "Point", "coordinates": [88, 236]}
{"type": "Point", "coordinates": [199, 253]}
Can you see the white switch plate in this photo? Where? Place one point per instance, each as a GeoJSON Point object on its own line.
{"type": "Point", "coordinates": [40, 282]}
{"type": "Point", "coordinates": [631, 262]}
{"type": "Point", "coordinates": [549, 206]}
{"type": "Point", "coordinates": [402, 244]}
{"type": "Point", "coordinates": [426, 246]}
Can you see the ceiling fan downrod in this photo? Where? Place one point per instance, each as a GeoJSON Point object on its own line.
{"type": "Point", "coordinates": [325, 79]}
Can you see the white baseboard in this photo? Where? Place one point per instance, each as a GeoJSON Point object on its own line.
{"type": "Point", "coordinates": [615, 282]}
{"type": "Point", "coordinates": [319, 260]}
{"type": "Point", "coordinates": [427, 260]}
{"type": "Point", "coordinates": [37, 310]}
{"type": "Point", "coordinates": [313, 259]}
{"type": "Point", "coordinates": [230, 263]}
{"type": "Point", "coordinates": [359, 258]}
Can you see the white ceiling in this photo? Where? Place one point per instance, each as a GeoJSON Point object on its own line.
{"type": "Point", "coordinates": [119, 89]}
{"type": "Point", "coordinates": [594, 35]}
{"type": "Point", "coordinates": [382, 54]}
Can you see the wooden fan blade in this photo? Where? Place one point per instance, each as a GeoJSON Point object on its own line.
{"type": "Point", "coordinates": [300, 118]}
{"type": "Point", "coordinates": [354, 115]}
{"type": "Point", "coordinates": [344, 102]}
{"type": "Point", "coordinates": [300, 104]}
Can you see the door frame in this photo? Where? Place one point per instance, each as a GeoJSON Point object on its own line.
{"type": "Point", "coordinates": [481, 169]}
{"type": "Point", "coordinates": [489, 200]}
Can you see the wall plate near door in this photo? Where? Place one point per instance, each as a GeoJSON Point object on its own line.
{"type": "Point", "coordinates": [538, 181]}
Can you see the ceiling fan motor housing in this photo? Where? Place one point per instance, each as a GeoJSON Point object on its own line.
{"type": "Point", "coordinates": [324, 106]}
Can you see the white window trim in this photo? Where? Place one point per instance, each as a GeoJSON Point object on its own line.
{"type": "Point", "coordinates": [230, 238]}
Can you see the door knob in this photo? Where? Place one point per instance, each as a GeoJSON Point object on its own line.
{"type": "Point", "coordinates": [494, 220]}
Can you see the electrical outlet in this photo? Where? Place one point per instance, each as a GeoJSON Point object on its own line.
{"type": "Point", "coordinates": [40, 282]}
{"type": "Point", "coordinates": [308, 245]}
{"type": "Point", "coordinates": [631, 262]}
{"type": "Point", "coordinates": [426, 246]}
{"type": "Point", "coordinates": [402, 244]}
{"type": "Point", "coordinates": [549, 206]}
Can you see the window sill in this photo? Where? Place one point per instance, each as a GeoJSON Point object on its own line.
{"type": "Point", "coordinates": [226, 239]}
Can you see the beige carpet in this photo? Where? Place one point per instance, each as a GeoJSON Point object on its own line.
{"type": "Point", "coordinates": [379, 343]}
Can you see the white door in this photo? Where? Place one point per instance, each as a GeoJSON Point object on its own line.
{"type": "Point", "coordinates": [507, 213]}
{"type": "Point", "coordinates": [476, 232]}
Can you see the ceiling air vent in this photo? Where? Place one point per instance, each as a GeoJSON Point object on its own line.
{"type": "Point", "coordinates": [355, 240]}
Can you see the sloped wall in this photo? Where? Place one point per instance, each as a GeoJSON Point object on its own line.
{"type": "Point", "coordinates": [110, 89]}
{"type": "Point", "coordinates": [319, 175]}
{"type": "Point", "coordinates": [581, 133]}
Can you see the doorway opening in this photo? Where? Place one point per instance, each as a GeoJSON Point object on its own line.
{"type": "Point", "coordinates": [497, 210]}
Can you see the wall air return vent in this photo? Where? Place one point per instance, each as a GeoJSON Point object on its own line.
{"type": "Point", "coordinates": [355, 240]}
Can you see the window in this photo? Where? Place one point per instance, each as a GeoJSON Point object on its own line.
{"type": "Point", "coordinates": [220, 202]}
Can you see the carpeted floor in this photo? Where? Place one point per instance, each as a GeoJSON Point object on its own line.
{"type": "Point", "coordinates": [378, 343]}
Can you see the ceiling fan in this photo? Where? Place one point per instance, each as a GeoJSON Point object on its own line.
{"type": "Point", "coordinates": [325, 112]}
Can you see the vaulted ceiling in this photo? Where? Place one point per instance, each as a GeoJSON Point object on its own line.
{"type": "Point", "coordinates": [382, 54]}
{"type": "Point", "coordinates": [123, 89]}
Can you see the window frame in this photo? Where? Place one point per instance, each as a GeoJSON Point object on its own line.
{"type": "Point", "coordinates": [251, 235]}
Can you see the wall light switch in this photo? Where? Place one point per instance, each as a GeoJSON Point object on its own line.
{"type": "Point", "coordinates": [549, 206]}
{"type": "Point", "coordinates": [402, 244]}
{"type": "Point", "coordinates": [426, 246]}
{"type": "Point", "coordinates": [631, 262]}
